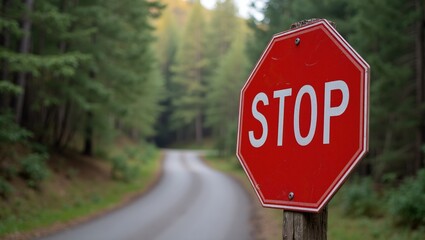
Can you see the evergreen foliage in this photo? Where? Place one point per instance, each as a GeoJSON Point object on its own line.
{"type": "Point", "coordinates": [85, 58]}
{"type": "Point", "coordinates": [189, 80]}
{"type": "Point", "coordinates": [406, 203]}
{"type": "Point", "coordinates": [166, 48]}
{"type": "Point", "coordinates": [73, 72]}
{"type": "Point", "coordinates": [222, 30]}
{"type": "Point", "coordinates": [360, 199]}
{"type": "Point", "coordinates": [392, 92]}
{"type": "Point", "coordinates": [198, 78]}
{"type": "Point", "coordinates": [223, 97]}
{"type": "Point", "coordinates": [34, 169]}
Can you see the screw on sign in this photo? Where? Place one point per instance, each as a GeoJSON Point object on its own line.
{"type": "Point", "coordinates": [303, 118]}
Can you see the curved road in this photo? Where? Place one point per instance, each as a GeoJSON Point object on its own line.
{"type": "Point", "coordinates": [191, 201]}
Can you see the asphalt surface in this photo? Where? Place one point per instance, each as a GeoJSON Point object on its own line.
{"type": "Point", "coordinates": [191, 201]}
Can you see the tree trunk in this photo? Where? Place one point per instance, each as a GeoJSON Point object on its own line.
{"type": "Point", "coordinates": [198, 128]}
{"type": "Point", "coordinates": [420, 83]}
{"type": "Point", "coordinates": [88, 135]}
{"type": "Point", "coordinates": [46, 115]}
{"type": "Point", "coordinates": [63, 110]}
{"type": "Point", "coordinates": [305, 226]}
{"type": "Point", "coordinates": [63, 124]}
{"type": "Point", "coordinates": [5, 42]}
{"type": "Point", "coordinates": [71, 131]}
{"type": "Point", "coordinates": [24, 49]}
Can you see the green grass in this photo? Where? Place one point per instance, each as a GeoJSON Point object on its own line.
{"type": "Point", "coordinates": [80, 197]}
{"type": "Point", "coordinates": [340, 226]}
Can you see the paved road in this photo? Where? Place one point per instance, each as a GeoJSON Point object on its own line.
{"type": "Point", "coordinates": [191, 201]}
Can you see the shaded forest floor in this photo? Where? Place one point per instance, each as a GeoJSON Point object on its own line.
{"type": "Point", "coordinates": [78, 189]}
{"type": "Point", "coordinates": [268, 222]}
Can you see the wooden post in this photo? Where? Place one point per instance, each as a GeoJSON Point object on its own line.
{"type": "Point", "coordinates": [305, 226]}
{"type": "Point", "coordinates": [300, 225]}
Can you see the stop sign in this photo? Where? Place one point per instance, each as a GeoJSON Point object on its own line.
{"type": "Point", "coordinates": [303, 118]}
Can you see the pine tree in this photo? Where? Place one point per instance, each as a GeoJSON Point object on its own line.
{"type": "Point", "coordinates": [189, 79]}
{"type": "Point", "coordinates": [419, 34]}
{"type": "Point", "coordinates": [278, 17]}
{"type": "Point", "coordinates": [166, 45]}
{"type": "Point", "coordinates": [79, 66]}
{"type": "Point", "coordinates": [227, 69]}
{"type": "Point", "coordinates": [385, 43]}
{"type": "Point", "coordinates": [222, 31]}
{"type": "Point", "coordinates": [127, 70]}
{"type": "Point", "coordinates": [223, 96]}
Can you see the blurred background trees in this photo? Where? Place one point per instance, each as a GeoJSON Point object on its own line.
{"type": "Point", "coordinates": [208, 62]}
{"type": "Point", "coordinates": [77, 74]}
{"type": "Point", "coordinates": [200, 88]}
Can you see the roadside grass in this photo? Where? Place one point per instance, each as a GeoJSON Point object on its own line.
{"type": "Point", "coordinates": [71, 195]}
{"type": "Point", "coordinates": [344, 227]}
{"type": "Point", "coordinates": [340, 226]}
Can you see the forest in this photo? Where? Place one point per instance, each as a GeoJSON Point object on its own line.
{"type": "Point", "coordinates": [78, 75]}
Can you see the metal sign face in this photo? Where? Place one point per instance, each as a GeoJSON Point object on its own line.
{"type": "Point", "coordinates": [303, 118]}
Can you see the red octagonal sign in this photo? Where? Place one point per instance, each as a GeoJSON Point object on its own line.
{"type": "Point", "coordinates": [303, 118]}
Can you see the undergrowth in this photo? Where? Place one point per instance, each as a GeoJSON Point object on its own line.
{"type": "Point", "coordinates": [68, 194]}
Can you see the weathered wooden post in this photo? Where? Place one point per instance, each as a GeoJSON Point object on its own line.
{"type": "Point", "coordinates": [304, 124]}
{"type": "Point", "coordinates": [303, 226]}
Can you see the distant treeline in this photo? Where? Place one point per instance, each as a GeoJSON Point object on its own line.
{"type": "Point", "coordinates": [204, 64]}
